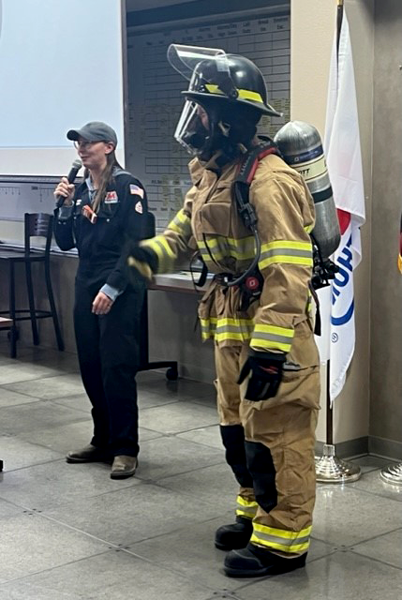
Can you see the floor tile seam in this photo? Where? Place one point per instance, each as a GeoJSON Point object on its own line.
{"type": "Point", "coordinates": [168, 403]}
{"type": "Point", "coordinates": [376, 560]}
{"type": "Point", "coordinates": [354, 487]}
{"type": "Point", "coordinates": [36, 464]}
{"type": "Point", "coordinates": [30, 380]}
{"type": "Point", "coordinates": [110, 545]}
{"type": "Point", "coordinates": [49, 569]}
{"type": "Point", "coordinates": [204, 444]}
{"type": "Point", "coordinates": [30, 401]}
{"type": "Point", "coordinates": [176, 433]}
{"type": "Point", "coordinates": [377, 494]}
{"type": "Point", "coordinates": [188, 578]}
{"type": "Point", "coordinates": [21, 439]}
{"type": "Point", "coordinates": [196, 429]}
{"type": "Point", "coordinates": [36, 399]}
{"type": "Point", "coordinates": [179, 393]}
{"type": "Point", "coordinates": [13, 505]}
{"type": "Point", "coordinates": [60, 507]}
{"type": "Point", "coordinates": [376, 537]}
{"type": "Point", "coordinates": [189, 495]}
{"type": "Point", "coordinates": [200, 403]}
{"type": "Point", "coordinates": [195, 469]}
{"type": "Point", "coordinates": [181, 402]}
{"type": "Point", "coordinates": [21, 393]}
{"type": "Point", "coordinates": [59, 403]}
{"type": "Point", "coordinates": [174, 531]}
{"type": "Point", "coordinates": [340, 547]}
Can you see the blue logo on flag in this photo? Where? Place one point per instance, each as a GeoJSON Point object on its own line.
{"type": "Point", "coordinates": [341, 280]}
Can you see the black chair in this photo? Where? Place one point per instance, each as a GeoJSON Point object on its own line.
{"type": "Point", "coordinates": [35, 225]}
{"type": "Point", "coordinates": [172, 372]}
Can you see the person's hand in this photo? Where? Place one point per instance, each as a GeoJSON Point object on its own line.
{"type": "Point", "coordinates": [65, 189]}
{"type": "Point", "coordinates": [266, 374]}
{"type": "Point", "coordinates": [102, 304]}
{"type": "Point", "coordinates": [141, 261]}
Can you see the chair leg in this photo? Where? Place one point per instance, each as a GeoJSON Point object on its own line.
{"type": "Point", "coordinates": [57, 330]}
{"type": "Point", "coordinates": [13, 330]}
{"type": "Point", "coordinates": [31, 300]}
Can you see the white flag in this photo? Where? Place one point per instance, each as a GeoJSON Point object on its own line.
{"type": "Point", "coordinates": [342, 149]}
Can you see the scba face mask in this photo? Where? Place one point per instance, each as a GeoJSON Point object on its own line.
{"type": "Point", "coordinates": [190, 132]}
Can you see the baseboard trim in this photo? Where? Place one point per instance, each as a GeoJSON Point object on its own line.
{"type": "Point", "coordinates": [357, 447]}
{"type": "Point", "coordinates": [385, 448]}
{"type": "Point", "coordinates": [365, 445]}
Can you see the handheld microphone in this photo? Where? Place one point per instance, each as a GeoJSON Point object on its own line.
{"type": "Point", "coordinates": [77, 164]}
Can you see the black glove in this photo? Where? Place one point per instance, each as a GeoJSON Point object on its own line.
{"type": "Point", "coordinates": [266, 374]}
{"type": "Point", "coordinates": [141, 261]}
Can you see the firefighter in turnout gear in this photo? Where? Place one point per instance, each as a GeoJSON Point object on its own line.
{"type": "Point", "coordinates": [266, 359]}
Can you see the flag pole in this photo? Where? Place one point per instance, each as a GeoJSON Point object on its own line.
{"type": "Point", "coordinates": [329, 468]}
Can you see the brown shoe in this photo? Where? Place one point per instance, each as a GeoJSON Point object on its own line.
{"type": "Point", "coordinates": [123, 466]}
{"type": "Point", "coordinates": [88, 454]}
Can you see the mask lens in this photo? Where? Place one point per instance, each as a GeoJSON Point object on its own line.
{"type": "Point", "coordinates": [190, 132]}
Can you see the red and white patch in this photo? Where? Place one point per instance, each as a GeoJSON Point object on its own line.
{"type": "Point", "coordinates": [135, 189]}
{"type": "Point", "coordinates": [111, 198]}
{"type": "Point", "coordinates": [139, 208]}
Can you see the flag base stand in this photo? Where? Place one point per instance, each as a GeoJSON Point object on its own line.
{"type": "Point", "coordinates": [330, 469]}
{"type": "Point", "coordinates": [392, 474]}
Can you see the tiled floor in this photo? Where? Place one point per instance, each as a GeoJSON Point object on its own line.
{"type": "Point", "coordinates": [69, 532]}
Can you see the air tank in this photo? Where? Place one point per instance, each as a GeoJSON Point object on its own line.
{"type": "Point", "coordinates": [301, 147]}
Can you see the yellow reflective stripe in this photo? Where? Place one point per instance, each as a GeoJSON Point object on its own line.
{"type": "Point", "coordinates": [284, 259]}
{"type": "Point", "coordinates": [287, 244]}
{"type": "Point", "coordinates": [212, 255]}
{"type": "Point", "coordinates": [309, 228]}
{"type": "Point", "coordinates": [164, 252]}
{"type": "Point", "coordinates": [281, 539]}
{"type": "Point", "coordinates": [282, 533]}
{"type": "Point", "coordinates": [181, 224]}
{"type": "Point", "coordinates": [273, 337]}
{"type": "Point", "coordinates": [275, 545]}
{"type": "Point", "coordinates": [222, 247]}
{"type": "Point", "coordinates": [245, 94]}
{"type": "Point", "coordinates": [243, 502]}
{"type": "Point", "coordinates": [297, 253]}
{"type": "Point", "coordinates": [226, 329]}
{"type": "Point", "coordinates": [289, 260]}
{"type": "Point", "coordinates": [246, 508]}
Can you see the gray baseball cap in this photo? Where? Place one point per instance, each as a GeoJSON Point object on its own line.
{"type": "Point", "coordinates": [95, 131]}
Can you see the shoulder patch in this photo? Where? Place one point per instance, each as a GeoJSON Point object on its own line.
{"type": "Point", "coordinates": [139, 208]}
{"type": "Point", "coordinates": [135, 189]}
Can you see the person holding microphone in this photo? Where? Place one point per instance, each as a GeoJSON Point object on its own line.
{"type": "Point", "coordinates": [98, 217]}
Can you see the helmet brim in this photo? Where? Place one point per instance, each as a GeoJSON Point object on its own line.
{"type": "Point", "coordinates": [263, 108]}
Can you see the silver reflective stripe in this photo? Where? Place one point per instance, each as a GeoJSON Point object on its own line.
{"type": "Point", "coordinates": [274, 539]}
{"type": "Point", "coordinates": [271, 337]}
{"type": "Point", "coordinates": [285, 252]}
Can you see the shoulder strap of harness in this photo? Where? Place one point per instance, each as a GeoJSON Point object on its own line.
{"type": "Point", "coordinates": [245, 175]}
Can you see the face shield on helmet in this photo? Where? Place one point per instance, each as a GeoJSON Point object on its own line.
{"type": "Point", "coordinates": [221, 84]}
{"type": "Point", "coordinates": [192, 130]}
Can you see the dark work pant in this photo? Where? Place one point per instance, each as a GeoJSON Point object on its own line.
{"type": "Point", "coordinates": [108, 354]}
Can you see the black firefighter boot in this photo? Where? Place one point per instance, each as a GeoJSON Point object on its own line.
{"type": "Point", "coordinates": [235, 535]}
{"type": "Point", "coordinates": [254, 561]}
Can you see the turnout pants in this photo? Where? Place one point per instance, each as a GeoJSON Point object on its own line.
{"type": "Point", "coordinates": [108, 353]}
{"type": "Point", "coordinates": [270, 448]}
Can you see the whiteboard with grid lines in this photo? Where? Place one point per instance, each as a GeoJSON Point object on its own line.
{"type": "Point", "coordinates": [155, 100]}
